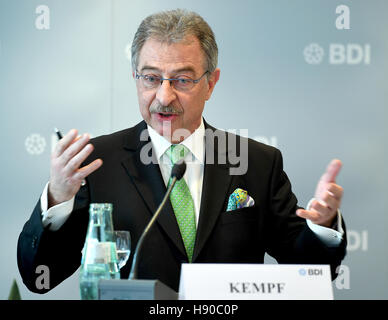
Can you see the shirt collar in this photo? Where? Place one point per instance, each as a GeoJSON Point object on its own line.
{"type": "Point", "coordinates": [194, 142]}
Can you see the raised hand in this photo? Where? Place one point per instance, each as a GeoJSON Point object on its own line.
{"type": "Point", "coordinates": [328, 195]}
{"type": "Point", "coordinates": [65, 173]}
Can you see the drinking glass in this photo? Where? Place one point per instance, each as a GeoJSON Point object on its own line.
{"type": "Point", "coordinates": [123, 246]}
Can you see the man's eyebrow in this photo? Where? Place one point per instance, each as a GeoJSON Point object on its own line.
{"type": "Point", "coordinates": [183, 69]}
{"type": "Point", "coordinates": [148, 68]}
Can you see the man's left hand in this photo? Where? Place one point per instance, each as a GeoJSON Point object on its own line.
{"type": "Point", "coordinates": [328, 195]}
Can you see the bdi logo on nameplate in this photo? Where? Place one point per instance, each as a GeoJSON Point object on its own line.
{"type": "Point", "coordinates": [206, 281]}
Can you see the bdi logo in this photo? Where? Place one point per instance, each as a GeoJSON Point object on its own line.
{"type": "Point", "coordinates": [314, 272]}
{"type": "Point", "coordinates": [350, 54]}
{"type": "Point", "coordinates": [339, 54]}
{"type": "Point", "coordinates": [310, 272]}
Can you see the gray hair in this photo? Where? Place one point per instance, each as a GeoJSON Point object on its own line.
{"type": "Point", "coordinates": [172, 27]}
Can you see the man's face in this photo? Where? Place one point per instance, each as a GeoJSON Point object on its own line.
{"type": "Point", "coordinates": [176, 60]}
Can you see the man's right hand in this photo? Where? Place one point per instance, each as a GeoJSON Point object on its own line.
{"type": "Point", "coordinates": [65, 173]}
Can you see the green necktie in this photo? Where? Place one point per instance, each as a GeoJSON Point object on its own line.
{"type": "Point", "coordinates": [182, 202]}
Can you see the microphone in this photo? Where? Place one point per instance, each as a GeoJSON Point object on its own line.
{"type": "Point", "coordinates": [179, 169]}
{"type": "Point", "coordinates": [177, 173]}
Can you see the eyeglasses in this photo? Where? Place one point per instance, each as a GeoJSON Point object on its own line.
{"type": "Point", "coordinates": [183, 83]}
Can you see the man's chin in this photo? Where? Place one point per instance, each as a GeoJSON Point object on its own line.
{"type": "Point", "coordinates": [163, 127]}
{"type": "Point", "coordinates": [170, 130]}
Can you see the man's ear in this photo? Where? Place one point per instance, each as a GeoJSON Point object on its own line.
{"type": "Point", "coordinates": [213, 79]}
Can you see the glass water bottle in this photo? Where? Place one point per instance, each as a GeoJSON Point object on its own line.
{"type": "Point", "coordinates": [99, 258]}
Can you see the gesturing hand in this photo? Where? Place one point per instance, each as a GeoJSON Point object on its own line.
{"type": "Point", "coordinates": [328, 197]}
{"type": "Point", "coordinates": [65, 173]}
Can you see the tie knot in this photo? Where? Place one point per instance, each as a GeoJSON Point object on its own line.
{"type": "Point", "coordinates": [177, 152]}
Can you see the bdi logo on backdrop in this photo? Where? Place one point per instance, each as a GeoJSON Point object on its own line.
{"type": "Point", "coordinates": [35, 143]}
{"type": "Point", "coordinates": [351, 53]}
{"type": "Point", "coordinates": [339, 53]}
{"type": "Point", "coordinates": [357, 240]}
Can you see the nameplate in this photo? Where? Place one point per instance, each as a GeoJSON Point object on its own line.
{"type": "Point", "coordinates": [255, 282]}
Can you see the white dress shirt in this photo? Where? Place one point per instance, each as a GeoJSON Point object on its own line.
{"type": "Point", "coordinates": [195, 159]}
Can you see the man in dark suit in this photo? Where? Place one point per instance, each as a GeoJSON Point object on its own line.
{"type": "Point", "coordinates": [174, 59]}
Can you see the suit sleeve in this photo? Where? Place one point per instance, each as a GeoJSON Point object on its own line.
{"type": "Point", "coordinates": [59, 250]}
{"type": "Point", "coordinates": [289, 239]}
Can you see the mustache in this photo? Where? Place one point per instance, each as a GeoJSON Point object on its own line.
{"type": "Point", "coordinates": [158, 108]}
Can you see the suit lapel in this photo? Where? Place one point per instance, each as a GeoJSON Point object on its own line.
{"type": "Point", "coordinates": [216, 183]}
{"type": "Point", "coordinates": [148, 181]}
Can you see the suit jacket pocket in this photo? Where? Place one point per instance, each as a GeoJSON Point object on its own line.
{"type": "Point", "coordinates": [236, 238]}
{"type": "Point", "coordinates": [248, 214]}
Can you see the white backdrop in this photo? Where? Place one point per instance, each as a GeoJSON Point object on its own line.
{"type": "Point", "coordinates": [296, 74]}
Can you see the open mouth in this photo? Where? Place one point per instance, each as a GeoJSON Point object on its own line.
{"type": "Point", "coordinates": [166, 115]}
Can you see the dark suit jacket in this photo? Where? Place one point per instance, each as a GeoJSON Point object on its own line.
{"type": "Point", "coordinates": [136, 189]}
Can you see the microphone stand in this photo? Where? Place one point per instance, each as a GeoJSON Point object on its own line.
{"type": "Point", "coordinates": [135, 263]}
{"type": "Point", "coordinates": [134, 289]}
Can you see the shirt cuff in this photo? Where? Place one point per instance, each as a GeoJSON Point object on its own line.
{"type": "Point", "coordinates": [56, 216]}
{"type": "Point", "coordinates": [329, 236]}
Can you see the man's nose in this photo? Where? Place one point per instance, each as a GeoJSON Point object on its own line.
{"type": "Point", "coordinates": [165, 93]}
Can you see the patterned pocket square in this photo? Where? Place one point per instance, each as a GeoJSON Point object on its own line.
{"type": "Point", "coordinates": [239, 199]}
